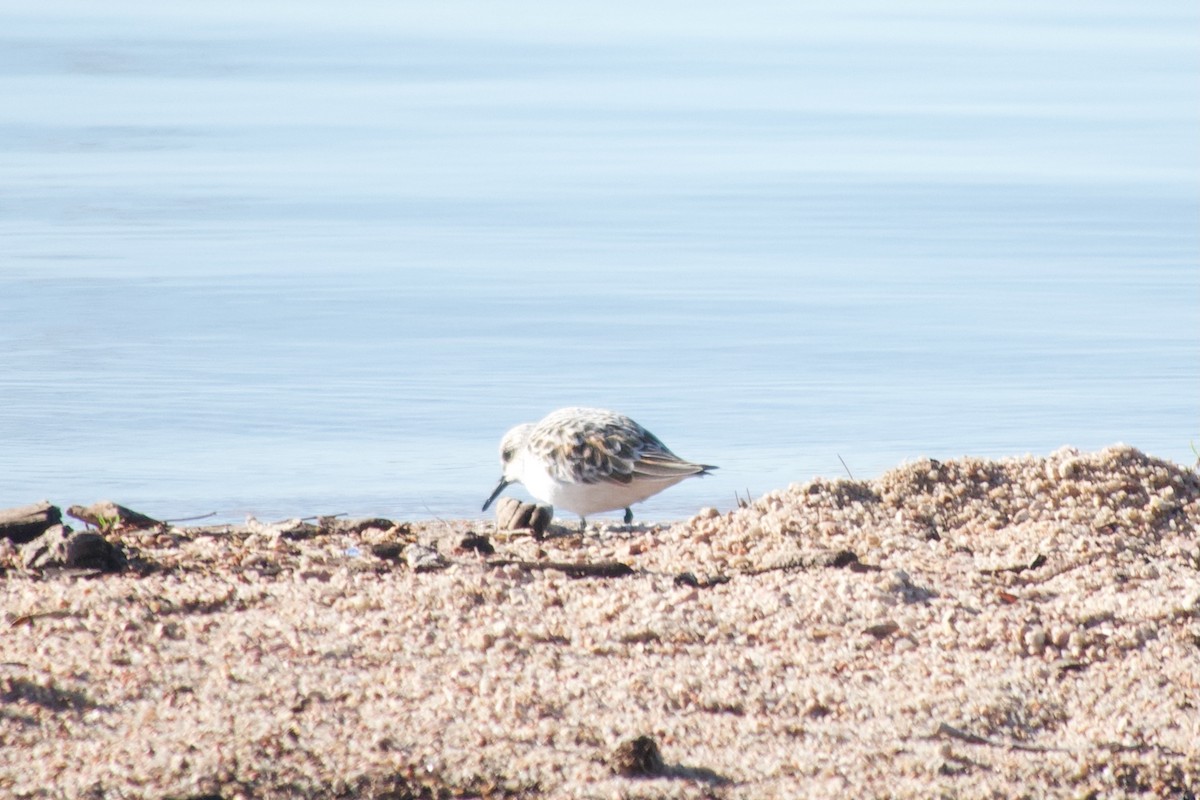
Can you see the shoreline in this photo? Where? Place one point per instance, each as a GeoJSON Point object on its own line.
{"type": "Point", "coordinates": [960, 627]}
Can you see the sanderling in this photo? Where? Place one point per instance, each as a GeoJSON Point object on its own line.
{"type": "Point", "coordinates": [588, 460]}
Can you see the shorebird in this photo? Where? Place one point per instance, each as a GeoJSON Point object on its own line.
{"type": "Point", "coordinates": [588, 460]}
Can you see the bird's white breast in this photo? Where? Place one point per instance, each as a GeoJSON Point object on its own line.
{"type": "Point", "coordinates": [588, 498]}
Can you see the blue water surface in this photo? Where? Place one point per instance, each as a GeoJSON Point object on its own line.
{"type": "Point", "coordinates": [296, 258]}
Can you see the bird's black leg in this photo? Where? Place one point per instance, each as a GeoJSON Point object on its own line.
{"type": "Point", "coordinates": [628, 516]}
{"type": "Point", "coordinates": [582, 524]}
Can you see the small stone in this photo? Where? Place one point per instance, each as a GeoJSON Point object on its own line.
{"type": "Point", "coordinates": [62, 547]}
{"type": "Point", "coordinates": [88, 550]}
{"type": "Point", "coordinates": [844, 558]}
{"type": "Point", "coordinates": [43, 551]}
{"type": "Point", "coordinates": [423, 559]}
{"type": "Point", "coordinates": [478, 543]}
{"type": "Point", "coordinates": [26, 523]}
{"type": "Point", "coordinates": [686, 579]}
{"type": "Point", "coordinates": [896, 581]}
{"type": "Point", "coordinates": [512, 514]}
{"type": "Point", "coordinates": [818, 710]}
{"type": "Point", "coordinates": [1060, 636]}
{"type": "Point", "coordinates": [882, 630]}
{"type": "Point", "coordinates": [638, 758]}
{"type": "Point", "coordinates": [539, 520]}
{"type": "Point", "coordinates": [388, 551]}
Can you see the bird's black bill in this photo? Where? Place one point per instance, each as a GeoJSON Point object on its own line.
{"type": "Point", "coordinates": [495, 493]}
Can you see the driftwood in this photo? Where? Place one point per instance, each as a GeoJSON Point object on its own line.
{"type": "Point", "coordinates": [108, 516]}
{"type": "Point", "coordinates": [599, 569]}
{"type": "Point", "coordinates": [26, 523]}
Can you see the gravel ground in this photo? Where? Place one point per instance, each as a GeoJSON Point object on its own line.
{"type": "Point", "coordinates": [1024, 627]}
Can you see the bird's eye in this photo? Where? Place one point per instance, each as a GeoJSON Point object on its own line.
{"type": "Point", "coordinates": [506, 455]}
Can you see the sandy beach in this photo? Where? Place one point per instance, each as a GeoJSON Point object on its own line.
{"type": "Point", "coordinates": [971, 628]}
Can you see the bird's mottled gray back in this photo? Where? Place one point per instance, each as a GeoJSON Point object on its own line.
{"type": "Point", "coordinates": [586, 445]}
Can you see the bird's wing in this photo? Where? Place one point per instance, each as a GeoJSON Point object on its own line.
{"type": "Point", "coordinates": [586, 456]}
{"type": "Point", "coordinates": [658, 463]}
{"type": "Point", "coordinates": [616, 451]}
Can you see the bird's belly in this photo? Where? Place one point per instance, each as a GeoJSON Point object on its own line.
{"type": "Point", "coordinates": [592, 498]}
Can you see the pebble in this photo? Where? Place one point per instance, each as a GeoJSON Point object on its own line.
{"type": "Point", "coordinates": [423, 559]}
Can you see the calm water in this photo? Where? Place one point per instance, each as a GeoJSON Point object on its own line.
{"type": "Point", "coordinates": [299, 258]}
